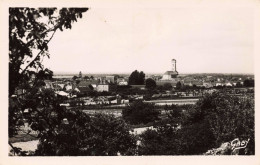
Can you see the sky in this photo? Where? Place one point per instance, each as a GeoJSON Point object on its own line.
{"type": "Point", "coordinates": [115, 39]}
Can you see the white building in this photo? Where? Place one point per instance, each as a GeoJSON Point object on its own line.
{"type": "Point", "coordinates": [102, 87]}
{"type": "Point", "coordinates": [170, 75]}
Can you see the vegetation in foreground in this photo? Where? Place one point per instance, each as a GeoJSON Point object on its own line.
{"type": "Point", "coordinates": [215, 119]}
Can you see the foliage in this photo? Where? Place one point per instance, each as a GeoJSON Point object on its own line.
{"type": "Point", "coordinates": [86, 78]}
{"type": "Point", "coordinates": [111, 136]}
{"type": "Point", "coordinates": [30, 30]}
{"type": "Point", "coordinates": [45, 74]}
{"type": "Point", "coordinates": [238, 84]}
{"type": "Point", "coordinates": [150, 84]}
{"type": "Point", "coordinates": [249, 83]}
{"type": "Point", "coordinates": [175, 113]}
{"type": "Point", "coordinates": [215, 119]}
{"type": "Point", "coordinates": [139, 112]}
{"type": "Point", "coordinates": [99, 135]}
{"type": "Point", "coordinates": [167, 86]}
{"type": "Point", "coordinates": [77, 82]}
{"type": "Point", "coordinates": [228, 116]}
{"type": "Point", "coordinates": [74, 78]}
{"type": "Point", "coordinates": [128, 90]}
{"type": "Point", "coordinates": [136, 78]}
{"type": "Point", "coordinates": [161, 141]}
{"type": "Point", "coordinates": [80, 74]}
{"type": "Point", "coordinates": [71, 132]}
{"type": "Point", "coordinates": [178, 85]}
{"type": "Point", "coordinates": [169, 140]}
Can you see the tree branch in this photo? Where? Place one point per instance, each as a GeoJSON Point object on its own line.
{"type": "Point", "coordinates": [37, 55]}
{"type": "Point", "coordinates": [12, 147]}
{"type": "Point", "coordinates": [54, 28]}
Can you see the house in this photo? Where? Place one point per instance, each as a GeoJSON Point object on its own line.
{"type": "Point", "coordinates": [121, 81]}
{"type": "Point", "coordinates": [123, 101]}
{"type": "Point", "coordinates": [139, 97]}
{"type": "Point", "coordinates": [110, 79]}
{"type": "Point", "coordinates": [62, 93]}
{"type": "Point", "coordinates": [207, 84]}
{"type": "Point", "coordinates": [197, 83]}
{"type": "Point", "coordinates": [102, 87]}
{"type": "Point", "coordinates": [219, 84]}
{"type": "Point", "coordinates": [86, 86]}
{"type": "Point", "coordinates": [113, 101]}
{"type": "Point", "coordinates": [228, 84]}
{"type": "Point", "coordinates": [83, 89]}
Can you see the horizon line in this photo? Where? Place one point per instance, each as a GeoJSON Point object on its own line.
{"type": "Point", "coordinates": [89, 73]}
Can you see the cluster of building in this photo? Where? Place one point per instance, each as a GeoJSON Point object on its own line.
{"type": "Point", "coordinates": [68, 87]}
{"type": "Point", "coordinates": [172, 77]}
{"type": "Point", "coordinates": [71, 87]}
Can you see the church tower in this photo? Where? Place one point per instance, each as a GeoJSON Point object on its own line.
{"type": "Point", "coordinates": [173, 65]}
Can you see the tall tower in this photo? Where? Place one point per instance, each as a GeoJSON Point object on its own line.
{"type": "Point", "coordinates": [173, 65]}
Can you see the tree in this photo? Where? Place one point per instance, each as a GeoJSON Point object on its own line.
{"type": "Point", "coordinates": [114, 136]}
{"type": "Point", "coordinates": [249, 83]}
{"type": "Point", "coordinates": [141, 78]}
{"type": "Point", "coordinates": [80, 74]}
{"type": "Point", "coordinates": [30, 31]}
{"type": "Point", "coordinates": [77, 82]}
{"type": "Point", "coordinates": [86, 77]}
{"type": "Point", "coordinates": [116, 76]}
{"type": "Point", "coordinates": [140, 112]}
{"type": "Point", "coordinates": [150, 84]}
{"type": "Point", "coordinates": [162, 140]}
{"type": "Point", "coordinates": [45, 74]}
{"type": "Point", "coordinates": [81, 135]}
{"type": "Point", "coordinates": [238, 84]}
{"type": "Point", "coordinates": [223, 118]}
{"type": "Point", "coordinates": [178, 85]}
{"type": "Point", "coordinates": [167, 86]}
{"type": "Point", "coordinates": [175, 113]}
{"type": "Point", "coordinates": [74, 78]}
{"type": "Point", "coordinates": [136, 78]}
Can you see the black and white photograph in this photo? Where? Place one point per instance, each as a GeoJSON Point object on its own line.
{"type": "Point", "coordinates": [131, 78]}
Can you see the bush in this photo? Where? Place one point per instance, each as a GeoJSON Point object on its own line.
{"type": "Point", "coordinates": [162, 141]}
{"type": "Point", "coordinates": [139, 112]}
